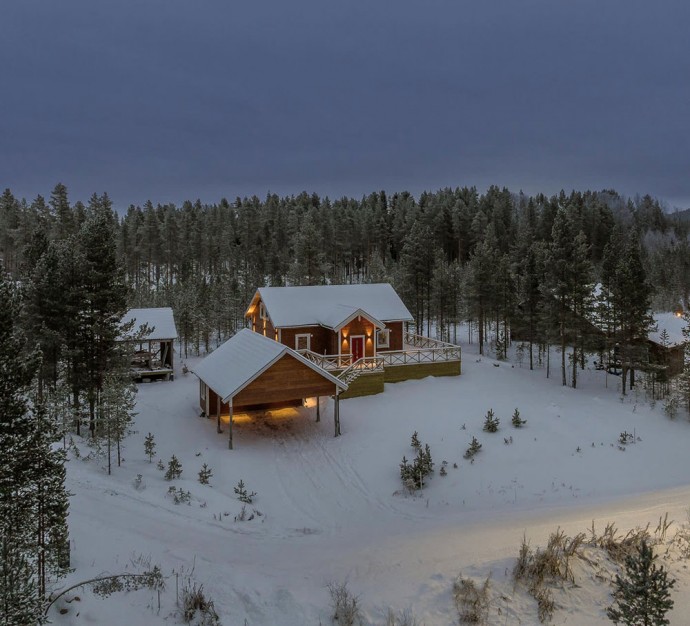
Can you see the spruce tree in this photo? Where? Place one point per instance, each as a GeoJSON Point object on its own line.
{"type": "Point", "coordinates": [205, 474]}
{"type": "Point", "coordinates": [643, 594]}
{"type": "Point", "coordinates": [150, 446]}
{"type": "Point", "coordinates": [174, 468]}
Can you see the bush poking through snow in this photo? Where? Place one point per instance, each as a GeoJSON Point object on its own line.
{"type": "Point", "coordinates": [516, 420]}
{"type": "Point", "coordinates": [160, 465]}
{"type": "Point", "coordinates": [491, 422]}
{"type": "Point", "coordinates": [243, 495]}
{"type": "Point", "coordinates": [205, 474]}
{"type": "Point", "coordinates": [545, 604]}
{"type": "Point", "coordinates": [179, 496]}
{"type": "Point", "coordinates": [617, 546]}
{"type": "Point", "coordinates": [475, 447]}
{"type": "Point", "coordinates": [535, 568]}
{"type": "Point", "coordinates": [471, 602]}
{"type": "Point", "coordinates": [197, 608]}
{"type": "Point", "coordinates": [174, 468]}
{"type": "Point", "coordinates": [345, 605]}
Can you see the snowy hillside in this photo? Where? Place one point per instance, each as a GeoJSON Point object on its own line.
{"type": "Point", "coordinates": [334, 510]}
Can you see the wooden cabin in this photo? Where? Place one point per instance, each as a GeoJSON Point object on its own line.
{"type": "Point", "coordinates": [666, 342]}
{"type": "Point", "coordinates": [152, 332]}
{"type": "Point", "coordinates": [360, 328]}
{"type": "Point", "coordinates": [251, 372]}
{"type": "Point", "coordinates": [356, 320]}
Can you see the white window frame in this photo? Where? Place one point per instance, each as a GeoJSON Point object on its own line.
{"type": "Point", "coordinates": [301, 336]}
{"type": "Point", "coordinates": [387, 343]}
{"type": "Point", "coordinates": [262, 311]}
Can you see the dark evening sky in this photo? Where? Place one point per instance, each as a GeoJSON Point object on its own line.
{"type": "Point", "coordinates": [169, 100]}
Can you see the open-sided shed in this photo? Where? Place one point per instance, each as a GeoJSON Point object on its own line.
{"type": "Point", "coordinates": [250, 371]}
{"type": "Point", "coordinates": [153, 333]}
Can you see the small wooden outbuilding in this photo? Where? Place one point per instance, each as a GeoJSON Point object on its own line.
{"type": "Point", "coordinates": [153, 332]}
{"type": "Point", "coordinates": [250, 371]}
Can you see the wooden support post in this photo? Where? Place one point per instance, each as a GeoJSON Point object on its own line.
{"type": "Point", "coordinates": [218, 428]}
{"type": "Point", "coordinates": [318, 409]}
{"type": "Point", "coordinates": [230, 425]}
{"type": "Point", "coordinates": [336, 413]}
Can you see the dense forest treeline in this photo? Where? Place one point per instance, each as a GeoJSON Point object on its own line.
{"type": "Point", "coordinates": [454, 254]}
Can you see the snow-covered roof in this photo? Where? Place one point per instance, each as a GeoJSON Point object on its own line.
{"type": "Point", "coordinates": [160, 320]}
{"type": "Point", "coordinates": [242, 359]}
{"type": "Point", "coordinates": [673, 325]}
{"type": "Point", "coordinates": [328, 305]}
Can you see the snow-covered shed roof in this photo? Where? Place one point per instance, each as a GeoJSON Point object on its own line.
{"type": "Point", "coordinates": [673, 326]}
{"type": "Point", "coordinates": [242, 359]}
{"type": "Point", "coordinates": [160, 320]}
{"type": "Point", "coordinates": [328, 305]}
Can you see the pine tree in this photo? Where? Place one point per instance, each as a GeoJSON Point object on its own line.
{"type": "Point", "coordinates": [475, 447]}
{"type": "Point", "coordinates": [642, 594]}
{"type": "Point", "coordinates": [516, 420]}
{"type": "Point", "coordinates": [150, 446]}
{"type": "Point", "coordinates": [414, 441]}
{"type": "Point", "coordinates": [118, 400]}
{"type": "Point", "coordinates": [174, 468]}
{"type": "Point", "coordinates": [491, 422]}
{"type": "Point", "coordinates": [242, 494]}
{"type": "Point", "coordinates": [33, 500]}
{"type": "Point", "coordinates": [205, 474]}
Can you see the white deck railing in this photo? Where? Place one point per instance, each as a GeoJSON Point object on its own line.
{"type": "Point", "coordinates": [366, 365]}
{"type": "Point", "coordinates": [423, 350]}
{"type": "Point", "coordinates": [328, 362]}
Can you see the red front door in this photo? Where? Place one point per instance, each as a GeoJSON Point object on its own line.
{"type": "Point", "coordinates": [357, 348]}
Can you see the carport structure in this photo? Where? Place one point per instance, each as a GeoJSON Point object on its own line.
{"type": "Point", "coordinates": [252, 372]}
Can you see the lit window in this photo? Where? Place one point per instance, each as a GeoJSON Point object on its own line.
{"type": "Point", "coordinates": [383, 338]}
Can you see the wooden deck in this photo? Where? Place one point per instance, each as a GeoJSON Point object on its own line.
{"type": "Point", "coordinates": [421, 357]}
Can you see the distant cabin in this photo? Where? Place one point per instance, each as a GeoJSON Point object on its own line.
{"type": "Point", "coordinates": [153, 356]}
{"type": "Point", "coordinates": [666, 342]}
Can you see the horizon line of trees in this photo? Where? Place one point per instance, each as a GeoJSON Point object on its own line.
{"type": "Point", "coordinates": [499, 260]}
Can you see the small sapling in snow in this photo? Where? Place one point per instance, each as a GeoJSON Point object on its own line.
{"type": "Point", "coordinates": [174, 468]}
{"type": "Point", "coordinates": [475, 447]}
{"type": "Point", "coordinates": [414, 441]}
{"type": "Point", "coordinates": [491, 422]}
{"type": "Point", "coordinates": [205, 474]}
{"type": "Point", "coordinates": [242, 494]}
{"type": "Point", "coordinates": [413, 475]}
{"type": "Point", "coordinates": [516, 420]}
{"type": "Point", "coordinates": [150, 447]}
{"type": "Point", "coordinates": [160, 465]}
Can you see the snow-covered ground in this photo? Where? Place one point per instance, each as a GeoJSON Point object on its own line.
{"type": "Point", "coordinates": [334, 509]}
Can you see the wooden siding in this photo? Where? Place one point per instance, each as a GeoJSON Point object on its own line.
{"type": "Point", "coordinates": [259, 325]}
{"type": "Point", "coordinates": [364, 385]}
{"type": "Point", "coordinates": [360, 326]}
{"type": "Point", "coordinates": [285, 381]}
{"type": "Point", "coordinates": [323, 341]}
{"type": "Point", "coordinates": [396, 336]}
{"type": "Point", "coordinates": [398, 373]}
